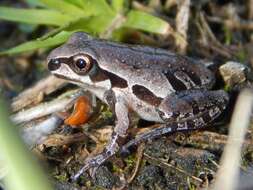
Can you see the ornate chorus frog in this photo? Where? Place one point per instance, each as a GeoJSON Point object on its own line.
{"type": "Point", "coordinates": [160, 86]}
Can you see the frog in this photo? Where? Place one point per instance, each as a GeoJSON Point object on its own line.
{"type": "Point", "coordinates": [170, 89]}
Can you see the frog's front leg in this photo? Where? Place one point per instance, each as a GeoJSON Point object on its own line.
{"type": "Point", "coordinates": [119, 132]}
{"type": "Point", "coordinates": [183, 111]}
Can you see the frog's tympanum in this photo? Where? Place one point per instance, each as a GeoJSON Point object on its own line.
{"type": "Point", "coordinates": [160, 86]}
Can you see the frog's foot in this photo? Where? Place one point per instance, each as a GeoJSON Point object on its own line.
{"type": "Point", "coordinates": [96, 161]}
{"type": "Point", "coordinates": [93, 164]}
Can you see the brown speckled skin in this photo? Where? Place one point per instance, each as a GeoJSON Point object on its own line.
{"type": "Point", "coordinates": [159, 85]}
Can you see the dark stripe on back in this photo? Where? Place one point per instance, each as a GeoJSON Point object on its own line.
{"type": "Point", "coordinates": [116, 81]}
{"type": "Point", "coordinates": [194, 77]}
{"type": "Point", "coordinates": [146, 95]}
{"type": "Point", "coordinates": [98, 76]}
{"type": "Point", "coordinates": [175, 83]}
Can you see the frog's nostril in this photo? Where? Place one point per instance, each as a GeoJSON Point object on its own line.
{"type": "Point", "coordinates": [53, 64]}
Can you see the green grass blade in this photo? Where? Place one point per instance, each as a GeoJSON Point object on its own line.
{"type": "Point", "coordinates": [93, 24]}
{"type": "Point", "coordinates": [36, 44]}
{"type": "Point", "coordinates": [33, 3]}
{"type": "Point", "coordinates": [95, 7]}
{"type": "Point", "coordinates": [23, 171]}
{"type": "Point", "coordinates": [146, 22]}
{"type": "Point", "coordinates": [34, 16]}
{"type": "Point", "coordinates": [64, 7]}
{"type": "Point", "coordinates": [78, 3]}
{"type": "Point", "coordinates": [118, 5]}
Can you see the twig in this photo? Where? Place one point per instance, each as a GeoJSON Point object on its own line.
{"type": "Point", "coordinates": [209, 36]}
{"type": "Point", "coordinates": [238, 24]}
{"type": "Point", "coordinates": [210, 141]}
{"type": "Point", "coordinates": [59, 140]}
{"type": "Point", "coordinates": [169, 4]}
{"type": "Point", "coordinates": [45, 108]}
{"type": "Point", "coordinates": [35, 94]}
{"type": "Point", "coordinates": [182, 20]}
{"type": "Point", "coordinates": [92, 137]}
{"type": "Point", "coordinates": [138, 162]}
{"type": "Point", "coordinates": [250, 6]}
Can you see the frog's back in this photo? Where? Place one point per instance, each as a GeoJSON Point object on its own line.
{"type": "Point", "coordinates": [178, 69]}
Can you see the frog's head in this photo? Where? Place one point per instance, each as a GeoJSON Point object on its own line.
{"type": "Point", "coordinates": [75, 60]}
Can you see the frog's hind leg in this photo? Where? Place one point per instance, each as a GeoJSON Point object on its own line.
{"type": "Point", "coordinates": [201, 105]}
{"type": "Point", "coordinates": [186, 110]}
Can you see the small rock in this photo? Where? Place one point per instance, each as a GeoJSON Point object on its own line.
{"type": "Point", "coordinates": [105, 178]}
{"type": "Point", "coordinates": [233, 73]}
{"type": "Point", "coordinates": [64, 186]}
{"type": "Point", "coordinates": [149, 176]}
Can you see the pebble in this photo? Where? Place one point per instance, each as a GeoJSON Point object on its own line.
{"type": "Point", "coordinates": [233, 73]}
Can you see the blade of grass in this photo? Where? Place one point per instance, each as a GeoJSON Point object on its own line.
{"type": "Point", "coordinates": [33, 3]}
{"type": "Point", "coordinates": [34, 16]}
{"type": "Point", "coordinates": [36, 44]}
{"type": "Point", "coordinates": [92, 24]}
{"type": "Point", "coordinates": [118, 5]}
{"type": "Point", "coordinates": [95, 7]}
{"type": "Point", "coordinates": [78, 3]}
{"type": "Point", "coordinates": [24, 173]}
{"type": "Point", "coordinates": [64, 7]}
{"type": "Point", "coordinates": [146, 22]}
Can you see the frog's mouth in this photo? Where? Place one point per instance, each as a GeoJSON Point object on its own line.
{"type": "Point", "coordinates": [72, 80]}
{"type": "Point", "coordinates": [66, 78]}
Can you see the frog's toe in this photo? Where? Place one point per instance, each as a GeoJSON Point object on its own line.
{"type": "Point", "coordinates": [91, 163]}
{"type": "Point", "coordinates": [80, 172]}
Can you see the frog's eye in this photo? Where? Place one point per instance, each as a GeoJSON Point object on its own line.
{"type": "Point", "coordinates": [54, 64]}
{"type": "Point", "coordinates": [82, 64]}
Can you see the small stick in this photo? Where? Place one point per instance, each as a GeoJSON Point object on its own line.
{"type": "Point", "coordinates": [140, 152]}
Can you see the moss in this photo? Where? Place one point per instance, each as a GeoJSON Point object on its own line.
{"type": "Point", "coordinates": [241, 56]}
{"type": "Point", "coordinates": [130, 161]}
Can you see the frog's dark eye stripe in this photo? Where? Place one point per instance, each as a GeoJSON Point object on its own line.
{"type": "Point", "coordinates": [80, 64]}
{"type": "Point", "coordinates": [55, 64]}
